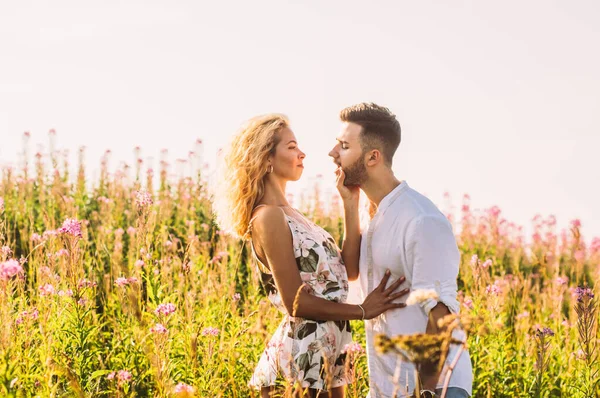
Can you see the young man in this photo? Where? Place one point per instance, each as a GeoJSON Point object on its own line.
{"type": "Point", "coordinates": [408, 235]}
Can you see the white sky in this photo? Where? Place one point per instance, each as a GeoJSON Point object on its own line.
{"type": "Point", "coordinates": [500, 100]}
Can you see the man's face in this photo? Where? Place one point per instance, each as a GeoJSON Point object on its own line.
{"type": "Point", "coordinates": [348, 154]}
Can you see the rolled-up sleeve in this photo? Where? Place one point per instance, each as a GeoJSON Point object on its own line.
{"type": "Point", "coordinates": [433, 255]}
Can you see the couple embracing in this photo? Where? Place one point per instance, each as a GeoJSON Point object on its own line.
{"type": "Point", "coordinates": [407, 245]}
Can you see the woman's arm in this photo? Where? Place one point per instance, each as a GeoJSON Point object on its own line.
{"type": "Point", "coordinates": [272, 236]}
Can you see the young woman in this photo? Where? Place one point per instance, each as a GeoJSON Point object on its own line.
{"type": "Point", "coordinates": [300, 265]}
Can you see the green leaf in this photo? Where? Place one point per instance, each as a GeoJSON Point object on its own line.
{"type": "Point", "coordinates": [303, 362]}
{"type": "Point", "coordinates": [99, 373]}
{"type": "Point", "coordinates": [305, 329]}
{"type": "Point", "coordinates": [308, 263]}
{"type": "Point", "coordinates": [331, 287]}
{"type": "Point", "coordinates": [311, 381]}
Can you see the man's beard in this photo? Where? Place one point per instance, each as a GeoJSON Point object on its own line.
{"type": "Point", "coordinates": [356, 173]}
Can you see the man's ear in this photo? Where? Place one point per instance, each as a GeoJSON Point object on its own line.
{"type": "Point", "coordinates": [373, 157]}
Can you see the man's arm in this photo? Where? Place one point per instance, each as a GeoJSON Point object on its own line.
{"type": "Point", "coordinates": [351, 244]}
{"type": "Point", "coordinates": [435, 259]}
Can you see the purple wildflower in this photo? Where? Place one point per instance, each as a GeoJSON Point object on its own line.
{"type": "Point", "coordinates": [583, 293]}
{"type": "Point", "coordinates": [544, 332]}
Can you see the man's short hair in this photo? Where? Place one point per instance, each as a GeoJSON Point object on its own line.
{"type": "Point", "coordinates": [380, 128]}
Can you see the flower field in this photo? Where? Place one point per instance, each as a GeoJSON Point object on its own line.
{"type": "Point", "coordinates": [124, 286]}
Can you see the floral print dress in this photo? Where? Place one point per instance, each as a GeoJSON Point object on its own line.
{"type": "Point", "coordinates": [304, 350]}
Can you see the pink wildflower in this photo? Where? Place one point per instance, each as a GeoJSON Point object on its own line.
{"type": "Point", "coordinates": [522, 315]}
{"type": "Point", "coordinates": [10, 268]}
{"type": "Point", "coordinates": [353, 347]}
{"type": "Point", "coordinates": [61, 253]}
{"type": "Point", "coordinates": [139, 263]}
{"type": "Point", "coordinates": [48, 233]}
{"type": "Point", "coordinates": [83, 283]}
{"type": "Point", "coordinates": [143, 199]}
{"type": "Point", "coordinates": [468, 303]}
{"type": "Point", "coordinates": [159, 329]}
{"type": "Point", "coordinates": [236, 297]}
{"type": "Point", "coordinates": [561, 280]}
{"type": "Point", "coordinates": [68, 293]}
{"type": "Point", "coordinates": [487, 263]}
{"type": "Point", "coordinates": [182, 389]}
{"type": "Point", "coordinates": [165, 309]}
{"type": "Point", "coordinates": [210, 331]}
{"type": "Point", "coordinates": [5, 250]}
{"type": "Point", "coordinates": [71, 227]}
{"type": "Point", "coordinates": [494, 211]}
{"type": "Point", "coordinates": [47, 290]}
{"type": "Point", "coordinates": [111, 375]}
{"type": "Point", "coordinates": [493, 289]}
{"type": "Point", "coordinates": [123, 376]}
{"type": "Point", "coordinates": [130, 231]}
{"type": "Point", "coordinates": [121, 281]}
{"type": "Point", "coordinates": [36, 237]}
{"type": "Point", "coordinates": [474, 260]}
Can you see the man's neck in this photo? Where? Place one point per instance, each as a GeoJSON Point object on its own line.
{"type": "Point", "coordinates": [378, 187]}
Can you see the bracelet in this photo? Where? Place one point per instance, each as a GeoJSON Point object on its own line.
{"type": "Point", "coordinates": [363, 311]}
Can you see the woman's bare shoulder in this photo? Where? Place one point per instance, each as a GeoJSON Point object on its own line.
{"type": "Point", "coordinates": [269, 219]}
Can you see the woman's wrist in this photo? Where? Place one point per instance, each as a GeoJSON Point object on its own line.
{"type": "Point", "coordinates": [362, 310]}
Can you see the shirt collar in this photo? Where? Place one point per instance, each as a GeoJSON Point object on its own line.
{"type": "Point", "coordinates": [391, 197]}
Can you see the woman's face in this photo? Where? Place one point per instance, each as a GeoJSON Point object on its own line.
{"type": "Point", "coordinates": [288, 158]}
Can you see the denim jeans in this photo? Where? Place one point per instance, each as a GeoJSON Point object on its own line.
{"type": "Point", "coordinates": [453, 392]}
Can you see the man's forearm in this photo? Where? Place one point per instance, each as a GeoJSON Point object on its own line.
{"type": "Point", "coordinates": [430, 377]}
{"type": "Point", "coordinates": [351, 243]}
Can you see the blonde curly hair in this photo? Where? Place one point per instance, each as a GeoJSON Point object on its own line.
{"type": "Point", "coordinates": [241, 182]}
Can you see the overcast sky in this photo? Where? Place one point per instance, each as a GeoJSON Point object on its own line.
{"type": "Point", "coordinates": [500, 100]}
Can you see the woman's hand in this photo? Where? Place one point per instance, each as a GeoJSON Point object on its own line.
{"type": "Point", "coordinates": [349, 194]}
{"type": "Point", "coordinates": [381, 299]}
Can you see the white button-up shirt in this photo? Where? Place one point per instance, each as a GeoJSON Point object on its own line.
{"type": "Point", "coordinates": [409, 236]}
